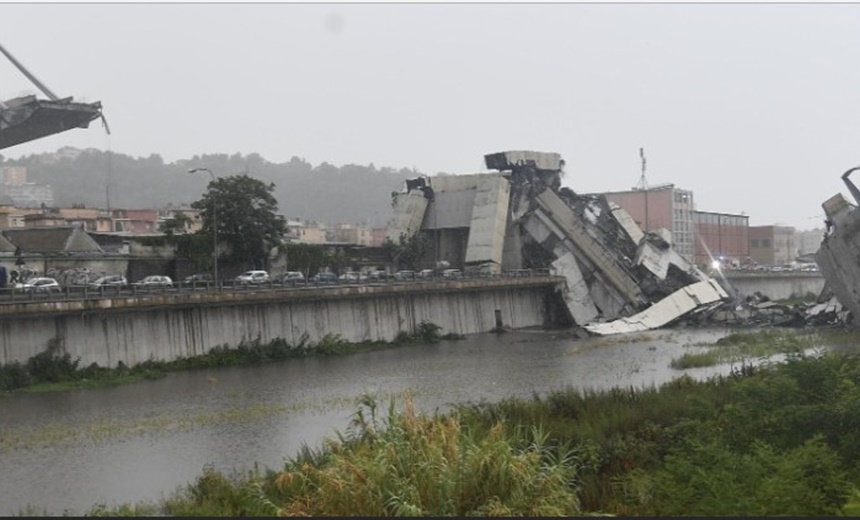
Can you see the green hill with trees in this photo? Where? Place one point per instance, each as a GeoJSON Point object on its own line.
{"type": "Point", "coordinates": [350, 193]}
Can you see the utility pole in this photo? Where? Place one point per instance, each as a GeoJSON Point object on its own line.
{"type": "Point", "coordinates": [643, 185]}
{"type": "Point", "coordinates": [214, 223]}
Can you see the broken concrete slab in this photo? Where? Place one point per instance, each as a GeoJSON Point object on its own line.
{"type": "Point", "coordinates": [576, 293]}
{"type": "Point", "coordinates": [409, 211]}
{"type": "Point", "coordinates": [27, 118]}
{"type": "Point", "coordinates": [839, 250]}
{"type": "Point", "coordinates": [665, 311]}
{"type": "Point", "coordinates": [488, 222]}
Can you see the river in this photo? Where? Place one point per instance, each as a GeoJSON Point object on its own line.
{"type": "Point", "coordinates": [68, 451]}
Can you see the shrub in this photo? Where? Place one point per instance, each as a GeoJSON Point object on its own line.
{"type": "Point", "coordinates": [428, 332]}
{"type": "Point", "coordinates": [14, 376]}
{"type": "Point", "coordinates": [51, 366]}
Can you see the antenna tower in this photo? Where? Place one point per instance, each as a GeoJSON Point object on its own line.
{"type": "Point", "coordinates": [643, 184]}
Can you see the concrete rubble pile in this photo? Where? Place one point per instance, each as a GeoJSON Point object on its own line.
{"type": "Point", "coordinates": [619, 279]}
{"type": "Point", "coordinates": [758, 310]}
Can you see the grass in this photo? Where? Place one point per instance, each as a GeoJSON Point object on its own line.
{"type": "Point", "coordinates": [83, 384]}
{"type": "Point", "coordinates": [398, 463]}
{"type": "Point", "coordinates": [761, 344]}
{"type": "Point", "coordinates": [775, 440]}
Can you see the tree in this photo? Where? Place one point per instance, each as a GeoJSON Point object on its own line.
{"type": "Point", "coordinates": [308, 258]}
{"type": "Point", "coordinates": [408, 251]}
{"type": "Point", "coordinates": [178, 223]}
{"type": "Point", "coordinates": [245, 214]}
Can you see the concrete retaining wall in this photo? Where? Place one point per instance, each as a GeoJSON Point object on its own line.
{"type": "Point", "coordinates": [776, 286]}
{"type": "Point", "coordinates": [133, 330]}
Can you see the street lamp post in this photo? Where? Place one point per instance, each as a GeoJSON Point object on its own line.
{"type": "Point", "coordinates": [214, 224]}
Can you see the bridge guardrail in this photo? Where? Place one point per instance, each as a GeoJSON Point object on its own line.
{"type": "Point", "coordinates": [79, 292]}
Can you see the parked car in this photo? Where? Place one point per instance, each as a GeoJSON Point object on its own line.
{"type": "Point", "coordinates": [112, 280]}
{"type": "Point", "coordinates": [254, 277]}
{"type": "Point", "coordinates": [378, 275]}
{"type": "Point", "coordinates": [39, 284]}
{"type": "Point", "coordinates": [155, 280]}
{"type": "Point", "coordinates": [452, 273]}
{"type": "Point", "coordinates": [198, 279]}
{"type": "Point", "coordinates": [324, 278]}
{"type": "Point", "coordinates": [404, 275]}
{"type": "Point", "coordinates": [290, 278]}
{"type": "Point", "coordinates": [426, 273]}
{"type": "Point", "coordinates": [352, 276]}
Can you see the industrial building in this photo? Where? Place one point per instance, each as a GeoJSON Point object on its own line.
{"type": "Point", "coordinates": [772, 245]}
{"type": "Point", "coordinates": [663, 206]}
{"type": "Point", "coordinates": [721, 237]}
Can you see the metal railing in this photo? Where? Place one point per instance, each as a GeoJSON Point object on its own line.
{"type": "Point", "coordinates": [84, 292]}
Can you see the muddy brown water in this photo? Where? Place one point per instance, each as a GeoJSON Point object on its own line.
{"type": "Point", "coordinates": [66, 452]}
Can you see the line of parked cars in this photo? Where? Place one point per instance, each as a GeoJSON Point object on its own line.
{"type": "Point", "coordinates": [254, 277]}
{"type": "Point", "coordinates": [427, 273]}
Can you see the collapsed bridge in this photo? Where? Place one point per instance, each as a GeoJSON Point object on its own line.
{"type": "Point", "coordinates": [28, 118]}
{"type": "Point", "coordinates": [619, 278]}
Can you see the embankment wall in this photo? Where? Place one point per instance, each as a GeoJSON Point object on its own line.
{"type": "Point", "coordinates": [169, 326]}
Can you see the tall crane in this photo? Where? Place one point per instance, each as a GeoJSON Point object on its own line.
{"type": "Point", "coordinates": [27, 118]}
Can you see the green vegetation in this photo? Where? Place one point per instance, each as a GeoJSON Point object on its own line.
{"type": "Point", "coordinates": [743, 346]}
{"type": "Point", "coordinates": [408, 251]}
{"type": "Point", "coordinates": [763, 441]}
{"type": "Point", "coordinates": [53, 370]}
{"type": "Point", "coordinates": [243, 211]}
{"type": "Point", "coordinates": [310, 258]}
{"type": "Point", "coordinates": [150, 182]}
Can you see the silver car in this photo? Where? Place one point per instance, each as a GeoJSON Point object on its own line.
{"type": "Point", "coordinates": [39, 284]}
{"type": "Point", "coordinates": [155, 281]}
{"type": "Point", "coordinates": [252, 277]}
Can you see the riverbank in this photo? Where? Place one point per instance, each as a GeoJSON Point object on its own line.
{"type": "Point", "coordinates": [55, 371]}
{"type": "Point", "coordinates": [777, 439]}
{"type": "Point", "coordinates": [742, 346]}
{"type": "Point", "coordinates": [64, 452]}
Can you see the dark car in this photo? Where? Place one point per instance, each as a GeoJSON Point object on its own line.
{"type": "Point", "coordinates": [109, 281]}
{"type": "Point", "coordinates": [290, 278]}
{"type": "Point", "coordinates": [324, 278]}
{"type": "Point", "coordinates": [198, 279]}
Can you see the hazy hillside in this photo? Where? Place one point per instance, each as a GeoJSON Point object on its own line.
{"type": "Point", "coordinates": [349, 194]}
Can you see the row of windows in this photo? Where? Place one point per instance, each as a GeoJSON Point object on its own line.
{"type": "Point", "coordinates": [764, 242]}
{"type": "Point", "coordinates": [683, 197]}
{"type": "Point", "coordinates": [723, 220]}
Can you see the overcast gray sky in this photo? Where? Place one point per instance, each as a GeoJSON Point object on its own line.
{"type": "Point", "coordinates": [756, 108]}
